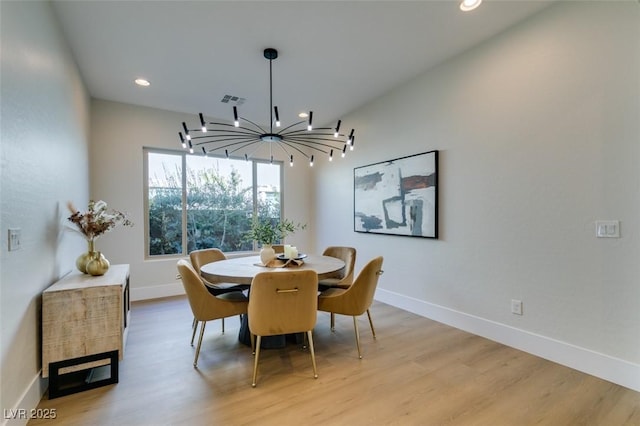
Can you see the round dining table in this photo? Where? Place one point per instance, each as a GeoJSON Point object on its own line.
{"type": "Point", "coordinates": [241, 270]}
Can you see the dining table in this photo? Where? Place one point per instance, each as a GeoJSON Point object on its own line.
{"type": "Point", "coordinates": [241, 270]}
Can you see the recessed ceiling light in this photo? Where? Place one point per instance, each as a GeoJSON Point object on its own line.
{"type": "Point", "coordinates": [142, 82]}
{"type": "Point", "coordinates": [468, 5]}
{"type": "Point", "coordinates": [303, 115]}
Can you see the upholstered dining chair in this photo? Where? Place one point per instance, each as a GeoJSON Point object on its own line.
{"type": "Point", "coordinates": [343, 278]}
{"type": "Point", "coordinates": [283, 302]}
{"type": "Point", "coordinates": [204, 305]}
{"type": "Point", "coordinates": [202, 257]}
{"type": "Point", "coordinates": [356, 299]}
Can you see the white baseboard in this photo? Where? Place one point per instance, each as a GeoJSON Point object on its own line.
{"type": "Point", "coordinates": [156, 291]}
{"type": "Point", "coordinates": [621, 372]}
{"type": "Point", "coordinates": [29, 400]}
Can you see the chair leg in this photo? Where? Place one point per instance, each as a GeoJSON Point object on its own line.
{"type": "Point", "coordinates": [333, 322]}
{"type": "Point", "coordinates": [222, 325]}
{"type": "Point", "coordinates": [313, 354]}
{"type": "Point", "coordinates": [195, 328]}
{"type": "Point", "coordinates": [255, 361]}
{"type": "Point", "coordinates": [355, 326]}
{"type": "Point", "coordinates": [373, 330]}
{"type": "Point", "coordinates": [195, 360]}
{"type": "Point", "coordinates": [253, 343]}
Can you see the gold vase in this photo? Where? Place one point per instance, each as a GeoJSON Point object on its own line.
{"type": "Point", "coordinates": [84, 258]}
{"type": "Point", "coordinates": [97, 265]}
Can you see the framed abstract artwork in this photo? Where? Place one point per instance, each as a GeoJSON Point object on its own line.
{"type": "Point", "coordinates": [397, 197]}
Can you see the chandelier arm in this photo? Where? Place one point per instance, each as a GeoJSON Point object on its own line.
{"type": "Point", "coordinates": [245, 140]}
{"type": "Point", "coordinates": [316, 142]}
{"type": "Point", "coordinates": [233, 128]}
{"type": "Point", "coordinates": [257, 126]}
{"type": "Point", "coordinates": [215, 149]}
{"type": "Point", "coordinates": [292, 125]}
{"type": "Point", "coordinates": [318, 137]}
{"type": "Point", "coordinates": [293, 145]}
{"type": "Point", "coordinates": [279, 144]}
{"type": "Point", "coordinates": [307, 132]}
{"type": "Point", "coordinates": [252, 152]}
{"type": "Point", "coordinates": [227, 135]}
{"type": "Point", "coordinates": [304, 154]}
{"type": "Point", "coordinates": [245, 145]}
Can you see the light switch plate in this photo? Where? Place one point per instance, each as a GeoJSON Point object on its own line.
{"type": "Point", "coordinates": [15, 237]}
{"type": "Point", "coordinates": [608, 228]}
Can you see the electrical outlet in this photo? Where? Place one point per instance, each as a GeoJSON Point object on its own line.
{"type": "Point", "coordinates": [516, 307]}
{"type": "Point", "coordinates": [15, 237]}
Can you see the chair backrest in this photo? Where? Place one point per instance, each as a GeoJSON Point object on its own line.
{"type": "Point", "coordinates": [359, 297]}
{"type": "Point", "coordinates": [204, 256]}
{"type": "Point", "coordinates": [278, 248]}
{"type": "Point", "coordinates": [348, 256]}
{"type": "Point", "coordinates": [283, 302]}
{"type": "Point", "coordinates": [204, 305]}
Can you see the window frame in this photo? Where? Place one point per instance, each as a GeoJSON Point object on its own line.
{"type": "Point", "coordinates": [183, 154]}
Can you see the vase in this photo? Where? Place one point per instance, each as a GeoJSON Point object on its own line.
{"type": "Point", "coordinates": [267, 254]}
{"type": "Point", "coordinates": [84, 258]}
{"type": "Point", "coordinates": [97, 265]}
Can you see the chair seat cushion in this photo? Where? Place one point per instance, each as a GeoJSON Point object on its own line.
{"type": "Point", "coordinates": [233, 296]}
{"type": "Point", "coordinates": [222, 288]}
{"type": "Point", "coordinates": [331, 283]}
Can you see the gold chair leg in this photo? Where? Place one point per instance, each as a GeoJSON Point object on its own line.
{"type": "Point", "coordinates": [195, 328]}
{"type": "Point", "coordinates": [373, 330]}
{"type": "Point", "coordinates": [355, 326]}
{"type": "Point", "coordinates": [253, 343]}
{"type": "Point", "coordinates": [195, 360]}
{"type": "Point", "coordinates": [313, 354]}
{"type": "Point", "coordinates": [255, 361]}
{"type": "Point", "coordinates": [333, 321]}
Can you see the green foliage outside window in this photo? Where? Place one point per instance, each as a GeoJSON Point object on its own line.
{"type": "Point", "coordinates": [219, 211]}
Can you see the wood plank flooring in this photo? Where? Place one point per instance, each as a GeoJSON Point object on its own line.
{"type": "Point", "coordinates": [417, 372]}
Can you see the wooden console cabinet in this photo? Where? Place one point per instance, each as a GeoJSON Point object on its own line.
{"type": "Point", "coordinates": [84, 316]}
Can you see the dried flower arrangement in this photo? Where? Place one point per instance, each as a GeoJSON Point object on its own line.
{"type": "Point", "coordinates": [97, 219]}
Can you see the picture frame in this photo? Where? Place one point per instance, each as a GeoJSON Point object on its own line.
{"type": "Point", "coordinates": [398, 196]}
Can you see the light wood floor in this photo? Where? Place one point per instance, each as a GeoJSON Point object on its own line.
{"type": "Point", "coordinates": [418, 372]}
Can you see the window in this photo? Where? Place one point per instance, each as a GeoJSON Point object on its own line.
{"type": "Point", "coordinates": [195, 202]}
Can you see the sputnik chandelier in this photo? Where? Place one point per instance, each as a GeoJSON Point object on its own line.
{"type": "Point", "coordinates": [244, 137]}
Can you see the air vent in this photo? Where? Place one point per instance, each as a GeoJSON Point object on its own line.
{"type": "Point", "coordinates": [233, 100]}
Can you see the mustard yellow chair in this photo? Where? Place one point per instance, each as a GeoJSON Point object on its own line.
{"type": "Point", "coordinates": [204, 305]}
{"type": "Point", "coordinates": [283, 302]}
{"type": "Point", "coordinates": [356, 299]}
{"type": "Point", "coordinates": [342, 278]}
{"type": "Point", "coordinates": [210, 255]}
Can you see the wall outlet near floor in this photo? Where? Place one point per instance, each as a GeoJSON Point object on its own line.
{"type": "Point", "coordinates": [516, 307]}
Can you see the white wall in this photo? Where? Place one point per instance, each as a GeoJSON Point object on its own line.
{"type": "Point", "coordinates": [118, 134]}
{"type": "Point", "coordinates": [44, 130]}
{"type": "Point", "coordinates": [539, 137]}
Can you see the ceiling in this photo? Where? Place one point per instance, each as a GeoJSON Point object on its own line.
{"type": "Point", "coordinates": [334, 56]}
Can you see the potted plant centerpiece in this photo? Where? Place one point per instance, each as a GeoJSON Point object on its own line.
{"type": "Point", "coordinates": [267, 232]}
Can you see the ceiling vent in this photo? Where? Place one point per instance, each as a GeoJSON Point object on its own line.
{"type": "Point", "coordinates": [233, 100]}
